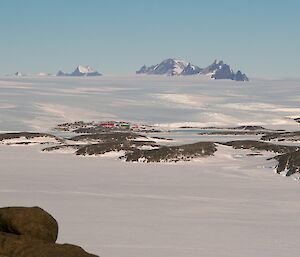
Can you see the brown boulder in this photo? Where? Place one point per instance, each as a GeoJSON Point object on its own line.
{"type": "Point", "coordinates": [21, 246]}
{"type": "Point", "coordinates": [30, 222]}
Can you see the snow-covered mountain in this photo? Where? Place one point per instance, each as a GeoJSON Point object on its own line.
{"type": "Point", "coordinates": [166, 67]}
{"type": "Point", "coordinates": [191, 69]}
{"type": "Point", "coordinates": [171, 67]}
{"type": "Point", "coordinates": [221, 70]}
{"type": "Point", "coordinates": [80, 71]}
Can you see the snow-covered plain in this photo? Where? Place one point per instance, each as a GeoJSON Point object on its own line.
{"type": "Point", "coordinates": [38, 103]}
{"type": "Point", "coordinates": [227, 205]}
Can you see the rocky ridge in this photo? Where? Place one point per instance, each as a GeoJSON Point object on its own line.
{"type": "Point", "coordinates": [175, 67]}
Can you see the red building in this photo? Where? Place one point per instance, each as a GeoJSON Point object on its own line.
{"type": "Point", "coordinates": [109, 124]}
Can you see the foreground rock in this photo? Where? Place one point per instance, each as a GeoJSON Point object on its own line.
{"type": "Point", "coordinates": [32, 232]}
{"type": "Point", "coordinates": [12, 245]}
{"type": "Point", "coordinates": [30, 222]}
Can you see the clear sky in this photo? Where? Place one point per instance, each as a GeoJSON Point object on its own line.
{"type": "Point", "coordinates": [260, 37]}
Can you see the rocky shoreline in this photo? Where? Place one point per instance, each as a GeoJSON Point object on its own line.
{"type": "Point", "coordinates": [137, 146]}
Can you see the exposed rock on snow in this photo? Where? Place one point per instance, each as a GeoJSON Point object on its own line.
{"type": "Point", "coordinates": [297, 120]}
{"type": "Point", "coordinates": [98, 144]}
{"type": "Point", "coordinates": [249, 127]}
{"type": "Point", "coordinates": [107, 137]}
{"type": "Point", "coordinates": [239, 76]}
{"type": "Point", "coordinates": [72, 148]}
{"type": "Point", "coordinates": [173, 153]}
{"type": "Point", "coordinates": [288, 163]}
{"type": "Point", "coordinates": [260, 146]}
{"type": "Point", "coordinates": [217, 70]}
{"type": "Point", "coordinates": [71, 126]}
{"type": "Point", "coordinates": [32, 232]}
{"type": "Point", "coordinates": [135, 147]}
{"type": "Point", "coordinates": [288, 160]}
{"type": "Point", "coordinates": [233, 132]}
{"type": "Point", "coordinates": [283, 136]}
{"type": "Point", "coordinates": [28, 138]}
{"type": "Point", "coordinates": [81, 71]}
{"type": "Point", "coordinates": [113, 146]}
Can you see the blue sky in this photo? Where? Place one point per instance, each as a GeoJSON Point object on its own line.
{"type": "Point", "coordinates": [260, 37]}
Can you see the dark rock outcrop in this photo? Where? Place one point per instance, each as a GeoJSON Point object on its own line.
{"type": "Point", "coordinates": [283, 136]}
{"type": "Point", "coordinates": [172, 153]}
{"type": "Point", "coordinates": [249, 127]}
{"type": "Point", "coordinates": [93, 130]}
{"type": "Point", "coordinates": [107, 137]}
{"type": "Point", "coordinates": [288, 158]}
{"type": "Point", "coordinates": [27, 135]}
{"type": "Point", "coordinates": [32, 232]}
{"type": "Point", "coordinates": [102, 148]}
{"type": "Point", "coordinates": [288, 163]}
{"type": "Point", "coordinates": [261, 146]}
{"type": "Point", "coordinates": [239, 76]}
{"type": "Point", "coordinates": [212, 67]}
{"type": "Point", "coordinates": [223, 73]}
{"type": "Point", "coordinates": [101, 143]}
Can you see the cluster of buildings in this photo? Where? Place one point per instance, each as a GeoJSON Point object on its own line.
{"type": "Point", "coordinates": [127, 125]}
{"type": "Point", "coordinates": [117, 124]}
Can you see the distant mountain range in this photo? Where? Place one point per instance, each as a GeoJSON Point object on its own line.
{"type": "Point", "coordinates": [19, 74]}
{"type": "Point", "coordinates": [170, 67]}
{"type": "Point", "coordinates": [81, 71]}
{"type": "Point", "coordinates": [174, 67]}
